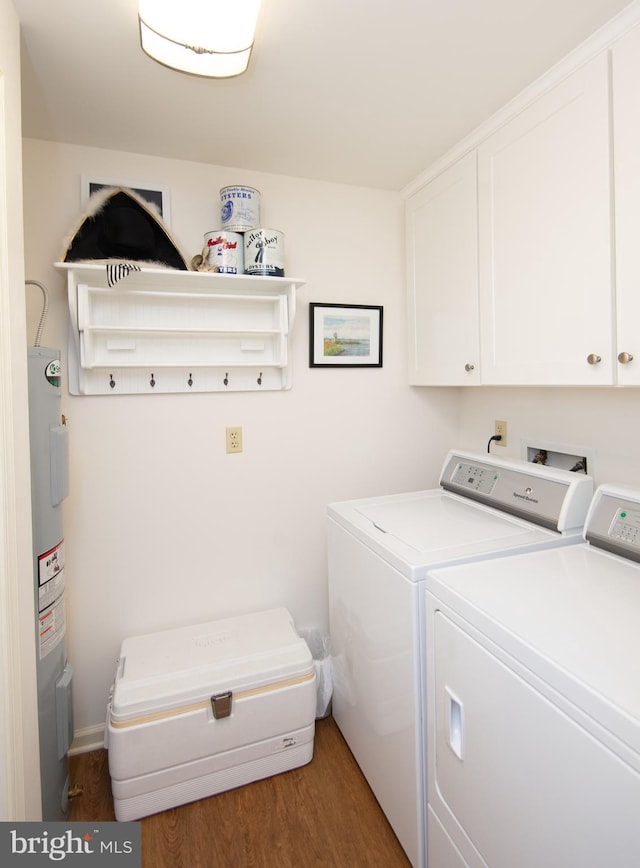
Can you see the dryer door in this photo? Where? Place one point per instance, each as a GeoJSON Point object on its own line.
{"type": "Point", "coordinates": [512, 774]}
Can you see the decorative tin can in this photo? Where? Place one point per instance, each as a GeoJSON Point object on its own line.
{"type": "Point", "coordinates": [264, 252]}
{"type": "Point", "coordinates": [225, 252]}
{"type": "Point", "coordinates": [239, 208]}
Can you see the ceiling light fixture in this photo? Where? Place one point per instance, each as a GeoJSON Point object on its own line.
{"type": "Point", "coordinates": [212, 38]}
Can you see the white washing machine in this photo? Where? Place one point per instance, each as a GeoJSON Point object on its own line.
{"type": "Point", "coordinates": [533, 668]}
{"type": "Point", "coordinates": [380, 550]}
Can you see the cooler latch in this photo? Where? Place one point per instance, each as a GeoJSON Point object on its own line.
{"type": "Point", "coordinates": [221, 704]}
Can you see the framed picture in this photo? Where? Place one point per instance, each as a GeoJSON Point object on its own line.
{"type": "Point", "coordinates": [157, 195]}
{"type": "Point", "coordinates": [345, 336]}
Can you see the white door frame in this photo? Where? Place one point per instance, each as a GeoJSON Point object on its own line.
{"type": "Point", "coordinates": [19, 751]}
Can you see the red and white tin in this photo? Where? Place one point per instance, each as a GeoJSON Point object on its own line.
{"type": "Point", "coordinates": [239, 208]}
{"type": "Point", "coordinates": [264, 252]}
{"type": "Point", "coordinates": [225, 252]}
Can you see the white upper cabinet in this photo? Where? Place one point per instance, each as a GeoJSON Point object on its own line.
{"type": "Point", "coordinates": [626, 129]}
{"type": "Point", "coordinates": [442, 274]}
{"type": "Point", "coordinates": [546, 308]}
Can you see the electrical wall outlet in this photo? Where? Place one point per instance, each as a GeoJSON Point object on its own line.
{"type": "Point", "coordinates": [501, 431]}
{"type": "Point", "coordinates": [234, 439]}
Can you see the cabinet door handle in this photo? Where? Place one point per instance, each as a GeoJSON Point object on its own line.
{"type": "Point", "coordinates": [625, 358]}
{"type": "Point", "coordinates": [469, 367]}
{"type": "Point", "coordinates": [594, 359]}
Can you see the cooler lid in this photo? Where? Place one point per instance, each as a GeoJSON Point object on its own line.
{"type": "Point", "coordinates": [164, 670]}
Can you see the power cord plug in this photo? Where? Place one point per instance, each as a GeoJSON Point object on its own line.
{"type": "Point", "coordinates": [494, 437]}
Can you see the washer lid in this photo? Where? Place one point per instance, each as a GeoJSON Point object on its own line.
{"type": "Point", "coordinates": [438, 522]}
{"type": "Point", "coordinates": [168, 669]}
{"type": "Point", "coordinates": [486, 507]}
{"type": "Point", "coordinates": [426, 529]}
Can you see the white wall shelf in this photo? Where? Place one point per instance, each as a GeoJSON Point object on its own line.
{"type": "Point", "coordinates": [159, 331]}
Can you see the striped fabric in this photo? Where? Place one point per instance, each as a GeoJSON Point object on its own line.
{"type": "Point", "coordinates": [118, 270]}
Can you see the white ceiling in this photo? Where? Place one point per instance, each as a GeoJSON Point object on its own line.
{"type": "Point", "coordinates": [364, 92]}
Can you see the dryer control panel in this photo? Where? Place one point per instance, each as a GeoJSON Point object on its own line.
{"type": "Point", "coordinates": [553, 498]}
{"type": "Point", "coordinates": [626, 526]}
{"type": "Point", "coordinates": [613, 522]}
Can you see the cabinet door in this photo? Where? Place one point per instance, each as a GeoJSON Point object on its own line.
{"type": "Point", "coordinates": [546, 311]}
{"type": "Point", "coordinates": [626, 144]}
{"type": "Point", "coordinates": [442, 272]}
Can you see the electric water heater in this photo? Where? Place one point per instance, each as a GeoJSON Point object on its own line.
{"type": "Point", "coordinates": [49, 487]}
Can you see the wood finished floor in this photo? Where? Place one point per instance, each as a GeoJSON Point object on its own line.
{"type": "Point", "coordinates": [323, 813]}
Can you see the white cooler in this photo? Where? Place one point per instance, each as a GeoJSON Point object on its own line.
{"type": "Point", "coordinates": [202, 709]}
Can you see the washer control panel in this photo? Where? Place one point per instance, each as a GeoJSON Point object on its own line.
{"type": "Point", "coordinates": [475, 477]}
{"type": "Point", "coordinates": [550, 497]}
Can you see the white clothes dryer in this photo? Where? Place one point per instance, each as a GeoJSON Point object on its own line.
{"type": "Point", "coordinates": [379, 552]}
{"type": "Point", "coordinates": [533, 702]}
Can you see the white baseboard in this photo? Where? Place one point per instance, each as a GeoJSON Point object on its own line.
{"type": "Point", "coordinates": [89, 738]}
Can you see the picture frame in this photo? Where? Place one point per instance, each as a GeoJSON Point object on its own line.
{"type": "Point", "coordinates": [157, 194]}
{"type": "Point", "coordinates": [345, 335]}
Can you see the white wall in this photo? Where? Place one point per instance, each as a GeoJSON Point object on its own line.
{"type": "Point", "coordinates": [606, 420]}
{"type": "Point", "coordinates": [163, 528]}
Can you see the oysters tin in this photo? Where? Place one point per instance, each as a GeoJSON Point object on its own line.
{"type": "Point", "coordinates": [239, 208]}
{"type": "Point", "coordinates": [225, 251]}
{"type": "Point", "coordinates": [264, 252]}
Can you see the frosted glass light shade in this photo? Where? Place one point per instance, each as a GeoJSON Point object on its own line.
{"type": "Point", "coordinates": [211, 38]}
